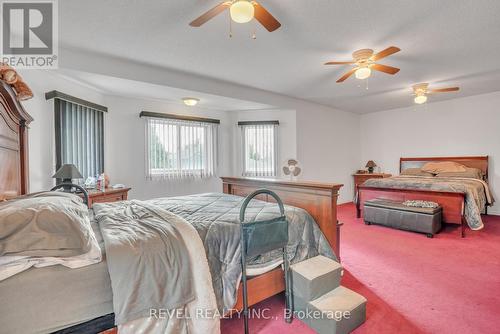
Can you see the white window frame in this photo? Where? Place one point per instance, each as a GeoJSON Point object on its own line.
{"type": "Point", "coordinates": [264, 131]}
{"type": "Point", "coordinates": [206, 167]}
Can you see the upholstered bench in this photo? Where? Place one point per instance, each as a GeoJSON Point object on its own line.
{"type": "Point", "coordinates": [397, 215]}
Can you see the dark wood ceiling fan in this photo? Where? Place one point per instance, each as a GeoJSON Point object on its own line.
{"type": "Point", "coordinates": [421, 90]}
{"type": "Point", "coordinates": [241, 11]}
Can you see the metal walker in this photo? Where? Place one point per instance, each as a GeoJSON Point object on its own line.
{"type": "Point", "coordinates": [260, 237]}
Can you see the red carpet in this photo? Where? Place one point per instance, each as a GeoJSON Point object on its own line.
{"type": "Point", "coordinates": [413, 284]}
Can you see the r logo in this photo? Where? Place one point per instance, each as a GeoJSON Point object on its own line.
{"type": "Point", "coordinates": [27, 28]}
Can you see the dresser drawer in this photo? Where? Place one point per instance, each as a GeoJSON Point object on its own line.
{"type": "Point", "coordinates": [361, 178]}
{"type": "Point", "coordinates": [107, 198]}
{"type": "Point", "coordinates": [109, 195]}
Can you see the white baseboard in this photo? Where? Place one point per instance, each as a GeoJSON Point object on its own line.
{"type": "Point", "coordinates": [493, 212]}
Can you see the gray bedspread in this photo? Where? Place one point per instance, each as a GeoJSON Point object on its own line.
{"type": "Point", "coordinates": [216, 218]}
{"type": "Point", "coordinates": [147, 258]}
{"type": "Point", "coordinates": [477, 193]}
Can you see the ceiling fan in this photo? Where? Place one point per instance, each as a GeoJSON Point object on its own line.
{"type": "Point", "coordinates": [241, 11]}
{"type": "Point", "coordinates": [421, 91]}
{"type": "Point", "coordinates": [364, 61]}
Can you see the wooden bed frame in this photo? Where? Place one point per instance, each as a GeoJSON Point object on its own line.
{"type": "Point", "coordinates": [318, 199]}
{"type": "Point", "coordinates": [453, 203]}
{"type": "Point", "coordinates": [14, 122]}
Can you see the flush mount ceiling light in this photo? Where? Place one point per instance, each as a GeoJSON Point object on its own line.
{"type": "Point", "coordinates": [190, 101]}
{"type": "Point", "coordinates": [240, 11]}
{"type": "Point", "coordinates": [421, 91]}
{"type": "Point", "coordinates": [419, 99]}
{"type": "Point", "coordinates": [364, 61]}
{"type": "Point", "coordinates": [363, 73]}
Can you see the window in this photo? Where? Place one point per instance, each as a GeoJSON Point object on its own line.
{"type": "Point", "coordinates": [79, 134]}
{"type": "Point", "coordinates": [180, 148]}
{"type": "Point", "coordinates": [260, 149]}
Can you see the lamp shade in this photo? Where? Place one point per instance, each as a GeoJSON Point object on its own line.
{"type": "Point", "coordinates": [371, 164]}
{"type": "Point", "coordinates": [67, 171]}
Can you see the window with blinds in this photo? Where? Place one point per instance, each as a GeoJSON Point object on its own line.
{"type": "Point", "coordinates": [177, 148]}
{"type": "Point", "coordinates": [79, 131]}
{"type": "Point", "coordinates": [259, 148]}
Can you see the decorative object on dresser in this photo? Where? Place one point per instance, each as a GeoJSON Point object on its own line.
{"type": "Point", "coordinates": [370, 165]}
{"type": "Point", "coordinates": [108, 195]}
{"type": "Point", "coordinates": [318, 199]}
{"type": "Point", "coordinates": [12, 78]}
{"type": "Point", "coordinates": [360, 178]}
{"type": "Point", "coordinates": [292, 169]}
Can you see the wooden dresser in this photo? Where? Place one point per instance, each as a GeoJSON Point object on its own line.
{"type": "Point", "coordinates": [109, 195]}
{"type": "Point", "coordinates": [361, 178]}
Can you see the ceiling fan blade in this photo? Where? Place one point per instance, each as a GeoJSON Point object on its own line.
{"type": "Point", "coordinates": [265, 18]}
{"type": "Point", "coordinates": [385, 68]}
{"type": "Point", "coordinates": [210, 14]}
{"type": "Point", "coordinates": [384, 53]}
{"type": "Point", "coordinates": [347, 75]}
{"type": "Point", "coordinates": [340, 62]}
{"type": "Point", "coordinates": [444, 90]}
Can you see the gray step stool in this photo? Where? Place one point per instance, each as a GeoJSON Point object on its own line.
{"type": "Point", "coordinates": [321, 302]}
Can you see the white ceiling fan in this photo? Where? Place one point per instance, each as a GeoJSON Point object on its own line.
{"type": "Point", "coordinates": [364, 61]}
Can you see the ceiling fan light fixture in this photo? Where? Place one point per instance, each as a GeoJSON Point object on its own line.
{"type": "Point", "coordinates": [363, 73]}
{"type": "Point", "coordinates": [420, 99]}
{"type": "Point", "coordinates": [242, 11]}
{"type": "Point", "coordinates": [190, 101]}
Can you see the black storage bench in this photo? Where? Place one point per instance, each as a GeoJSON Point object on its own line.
{"type": "Point", "coordinates": [397, 215]}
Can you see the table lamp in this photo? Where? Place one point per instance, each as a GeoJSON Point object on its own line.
{"type": "Point", "coordinates": [371, 165]}
{"type": "Point", "coordinates": [67, 173]}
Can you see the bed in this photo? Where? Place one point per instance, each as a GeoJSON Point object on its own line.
{"type": "Point", "coordinates": [454, 196]}
{"type": "Point", "coordinates": [81, 300]}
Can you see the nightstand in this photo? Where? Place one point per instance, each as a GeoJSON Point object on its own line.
{"type": "Point", "coordinates": [361, 178]}
{"type": "Point", "coordinates": [108, 195]}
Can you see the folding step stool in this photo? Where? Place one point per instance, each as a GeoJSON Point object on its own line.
{"type": "Point", "coordinates": [321, 302]}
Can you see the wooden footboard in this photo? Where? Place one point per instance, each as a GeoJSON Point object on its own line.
{"type": "Point", "coordinates": [319, 199]}
{"type": "Point", "coordinates": [453, 203]}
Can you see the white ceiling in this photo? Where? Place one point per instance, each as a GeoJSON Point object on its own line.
{"type": "Point", "coordinates": [445, 42]}
{"type": "Point", "coordinates": [136, 89]}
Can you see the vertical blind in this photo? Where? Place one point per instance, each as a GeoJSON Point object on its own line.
{"type": "Point", "coordinates": [260, 149]}
{"type": "Point", "coordinates": [79, 137]}
{"type": "Point", "coordinates": [178, 149]}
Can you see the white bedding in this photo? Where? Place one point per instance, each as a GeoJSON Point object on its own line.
{"type": "Point", "coordinates": [205, 302]}
{"type": "Point", "coordinates": [46, 229]}
{"type": "Point", "coordinates": [12, 265]}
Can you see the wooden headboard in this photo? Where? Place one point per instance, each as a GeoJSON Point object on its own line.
{"type": "Point", "coordinates": [480, 162]}
{"type": "Point", "coordinates": [13, 144]}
